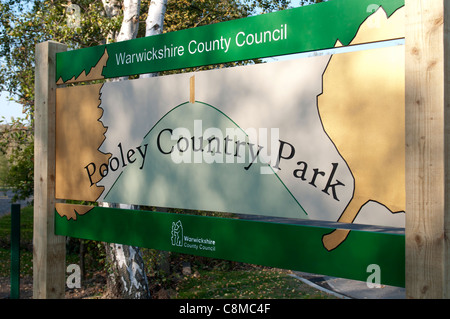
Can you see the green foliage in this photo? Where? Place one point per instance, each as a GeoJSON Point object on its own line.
{"type": "Point", "coordinates": [265, 6]}
{"type": "Point", "coordinates": [184, 14]}
{"type": "Point", "coordinates": [17, 147]}
{"type": "Point", "coordinates": [23, 24]}
{"type": "Point", "coordinates": [306, 2]}
{"type": "Point", "coordinates": [4, 168]}
{"type": "Point", "coordinates": [26, 239]}
{"type": "Point", "coordinates": [26, 262]}
{"type": "Point", "coordinates": [26, 229]}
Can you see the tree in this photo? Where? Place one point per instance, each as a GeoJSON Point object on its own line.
{"type": "Point", "coordinates": [17, 148]}
{"type": "Point", "coordinates": [24, 23]}
{"type": "Point", "coordinates": [127, 278]}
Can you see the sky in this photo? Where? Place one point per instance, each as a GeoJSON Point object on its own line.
{"type": "Point", "coordinates": [10, 109]}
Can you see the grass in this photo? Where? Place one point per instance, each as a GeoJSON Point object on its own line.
{"type": "Point", "coordinates": [26, 263]}
{"type": "Point", "coordinates": [26, 227]}
{"type": "Point", "coordinates": [26, 238]}
{"type": "Point", "coordinates": [257, 283]}
{"type": "Point", "coordinates": [207, 281]}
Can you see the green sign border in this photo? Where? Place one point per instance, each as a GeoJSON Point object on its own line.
{"type": "Point", "coordinates": [288, 246]}
{"type": "Point", "coordinates": [309, 28]}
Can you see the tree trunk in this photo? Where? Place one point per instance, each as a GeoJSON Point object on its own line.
{"type": "Point", "coordinates": [130, 23]}
{"type": "Point", "coordinates": [154, 24]}
{"type": "Point", "coordinates": [155, 20]}
{"type": "Point", "coordinates": [127, 278]}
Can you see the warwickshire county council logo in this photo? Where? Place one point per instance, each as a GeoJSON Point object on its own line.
{"type": "Point", "coordinates": [180, 239]}
{"type": "Point", "coordinates": [177, 234]}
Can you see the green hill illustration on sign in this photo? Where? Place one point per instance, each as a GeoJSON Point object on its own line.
{"type": "Point", "coordinates": [216, 168]}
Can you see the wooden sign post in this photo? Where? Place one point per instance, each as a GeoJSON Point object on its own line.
{"type": "Point", "coordinates": [48, 248]}
{"type": "Point", "coordinates": [427, 149]}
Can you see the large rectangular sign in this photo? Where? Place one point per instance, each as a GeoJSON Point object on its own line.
{"type": "Point", "coordinates": [303, 29]}
{"type": "Point", "coordinates": [318, 138]}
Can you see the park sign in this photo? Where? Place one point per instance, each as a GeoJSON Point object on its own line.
{"type": "Point", "coordinates": [281, 150]}
{"type": "Point", "coordinates": [303, 29]}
